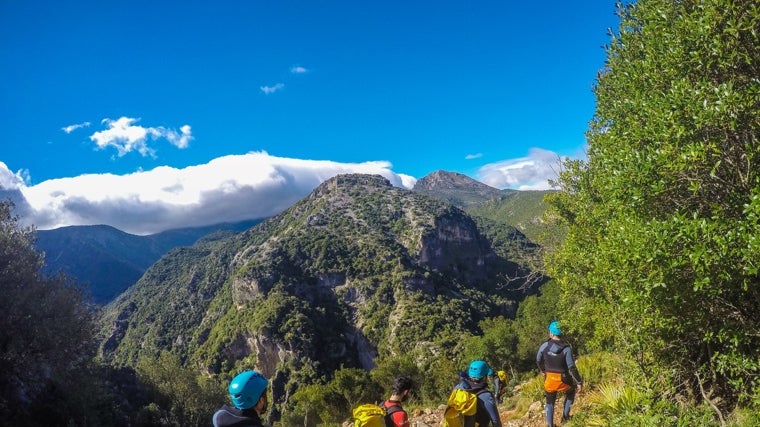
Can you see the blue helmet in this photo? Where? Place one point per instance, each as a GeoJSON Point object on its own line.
{"type": "Point", "coordinates": [554, 328]}
{"type": "Point", "coordinates": [479, 369]}
{"type": "Point", "coordinates": [246, 389]}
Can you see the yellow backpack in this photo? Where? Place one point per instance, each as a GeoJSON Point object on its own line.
{"type": "Point", "coordinates": [371, 415]}
{"type": "Point", "coordinates": [461, 403]}
{"type": "Point", "coordinates": [503, 380]}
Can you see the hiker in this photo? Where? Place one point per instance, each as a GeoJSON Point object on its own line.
{"type": "Point", "coordinates": [476, 381]}
{"type": "Point", "coordinates": [500, 381]}
{"type": "Point", "coordinates": [397, 416]}
{"type": "Point", "coordinates": [248, 392]}
{"type": "Point", "coordinates": [556, 362]}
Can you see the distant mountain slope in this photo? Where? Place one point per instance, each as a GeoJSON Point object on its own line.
{"type": "Point", "coordinates": [520, 209]}
{"type": "Point", "coordinates": [356, 269]}
{"type": "Point", "coordinates": [523, 210]}
{"type": "Point", "coordinates": [457, 189]}
{"type": "Point", "coordinates": [106, 260]}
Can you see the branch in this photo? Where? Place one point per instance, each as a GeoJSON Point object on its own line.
{"type": "Point", "coordinates": [707, 398]}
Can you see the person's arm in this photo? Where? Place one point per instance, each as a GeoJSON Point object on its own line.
{"type": "Point", "coordinates": [571, 368]}
{"type": "Point", "coordinates": [400, 419]}
{"type": "Point", "coordinates": [493, 410]}
{"type": "Point", "coordinates": [540, 357]}
{"type": "Point", "coordinates": [496, 386]}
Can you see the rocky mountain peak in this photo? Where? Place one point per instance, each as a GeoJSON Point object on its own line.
{"type": "Point", "coordinates": [456, 188]}
{"type": "Point", "coordinates": [451, 180]}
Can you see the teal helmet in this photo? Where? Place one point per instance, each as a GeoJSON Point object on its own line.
{"type": "Point", "coordinates": [479, 369]}
{"type": "Point", "coordinates": [554, 328]}
{"type": "Point", "coordinates": [246, 389]}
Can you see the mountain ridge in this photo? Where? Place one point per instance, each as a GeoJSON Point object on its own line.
{"type": "Point", "coordinates": [106, 261]}
{"type": "Point", "coordinates": [456, 188]}
{"type": "Point", "coordinates": [356, 269]}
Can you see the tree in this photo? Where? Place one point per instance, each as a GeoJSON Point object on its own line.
{"type": "Point", "coordinates": [348, 388]}
{"type": "Point", "coordinates": [661, 256]}
{"type": "Point", "coordinates": [181, 397]}
{"type": "Point", "coordinates": [530, 325]}
{"type": "Point", "coordinates": [46, 333]}
{"type": "Point", "coordinates": [308, 401]}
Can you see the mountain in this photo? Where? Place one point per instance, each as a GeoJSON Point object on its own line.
{"type": "Point", "coordinates": [355, 270]}
{"type": "Point", "coordinates": [106, 261]}
{"type": "Point", "coordinates": [457, 189]}
{"type": "Point", "coordinates": [522, 210]}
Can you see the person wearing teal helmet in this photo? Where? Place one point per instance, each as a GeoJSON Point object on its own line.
{"type": "Point", "coordinates": [476, 381]}
{"type": "Point", "coordinates": [556, 362]}
{"type": "Point", "coordinates": [248, 395]}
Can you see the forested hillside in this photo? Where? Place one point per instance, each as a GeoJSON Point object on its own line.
{"type": "Point", "coordinates": [358, 269]}
{"type": "Point", "coordinates": [106, 261]}
{"type": "Point", "coordinates": [655, 278]}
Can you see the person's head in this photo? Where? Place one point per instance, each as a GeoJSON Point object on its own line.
{"type": "Point", "coordinates": [479, 370]}
{"type": "Point", "coordinates": [248, 390]}
{"type": "Point", "coordinates": [402, 386]}
{"type": "Point", "coordinates": [554, 329]}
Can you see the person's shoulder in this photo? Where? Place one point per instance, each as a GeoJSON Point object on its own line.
{"type": "Point", "coordinates": [226, 409]}
{"type": "Point", "coordinates": [391, 404]}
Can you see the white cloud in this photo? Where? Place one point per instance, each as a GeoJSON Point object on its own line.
{"type": "Point", "coordinates": [10, 180]}
{"type": "Point", "coordinates": [227, 189]}
{"type": "Point", "coordinates": [526, 173]}
{"type": "Point", "coordinates": [72, 128]}
{"type": "Point", "coordinates": [272, 89]}
{"type": "Point", "coordinates": [126, 137]}
{"type": "Point", "coordinates": [298, 70]}
{"type": "Point", "coordinates": [473, 156]}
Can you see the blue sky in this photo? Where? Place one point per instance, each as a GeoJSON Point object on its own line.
{"type": "Point", "coordinates": [139, 114]}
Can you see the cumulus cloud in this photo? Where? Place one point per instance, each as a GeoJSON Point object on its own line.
{"type": "Point", "coordinates": [473, 156]}
{"type": "Point", "coordinates": [227, 189]}
{"type": "Point", "coordinates": [272, 89]}
{"type": "Point", "coordinates": [298, 70]}
{"type": "Point", "coordinates": [72, 128]}
{"type": "Point", "coordinates": [126, 137]}
{"type": "Point", "coordinates": [10, 180]}
{"type": "Point", "coordinates": [526, 173]}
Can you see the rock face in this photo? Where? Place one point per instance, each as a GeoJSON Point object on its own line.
{"type": "Point", "coordinates": [356, 268]}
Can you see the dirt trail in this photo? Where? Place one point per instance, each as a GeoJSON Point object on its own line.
{"type": "Point", "coordinates": [432, 417]}
{"type": "Point", "coordinates": [534, 417]}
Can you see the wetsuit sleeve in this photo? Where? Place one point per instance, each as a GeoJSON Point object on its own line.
{"type": "Point", "coordinates": [571, 368]}
{"type": "Point", "coordinates": [489, 402]}
{"type": "Point", "coordinates": [540, 357]}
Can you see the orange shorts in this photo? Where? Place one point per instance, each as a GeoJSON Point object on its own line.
{"type": "Point", "coordinates": [553, 383]}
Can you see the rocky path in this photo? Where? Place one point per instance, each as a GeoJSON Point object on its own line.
{"type": "Point", "coordinates": [433, 417]}
{"type": "Point", "coordinates": [534, 417]}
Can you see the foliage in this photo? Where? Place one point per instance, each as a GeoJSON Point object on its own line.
{"type": "Point", "coordinates": [530, 325]}
{"type": "Point", "coordinates": [349, 388]}
{"type": "Point", "coordinates": [46, 331]}
{"type": "Point", "coordinates": [605, 367]}
{"type": "Point", "coordinates": [660, 260]}
{"type": "Point", "coordinates": [181, 397]}
{"type": "Point", "coordinates": [308, 404]}
{"type": "Point", "coordinates": [522, 210]}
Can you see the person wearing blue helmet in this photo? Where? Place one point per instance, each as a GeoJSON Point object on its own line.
{"type": "Point", "coordinates": [476, 381]}
{"type": "Point", "coordinates": [248, 393]}
{"type": "Point", "coordinates": [556, 362]}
